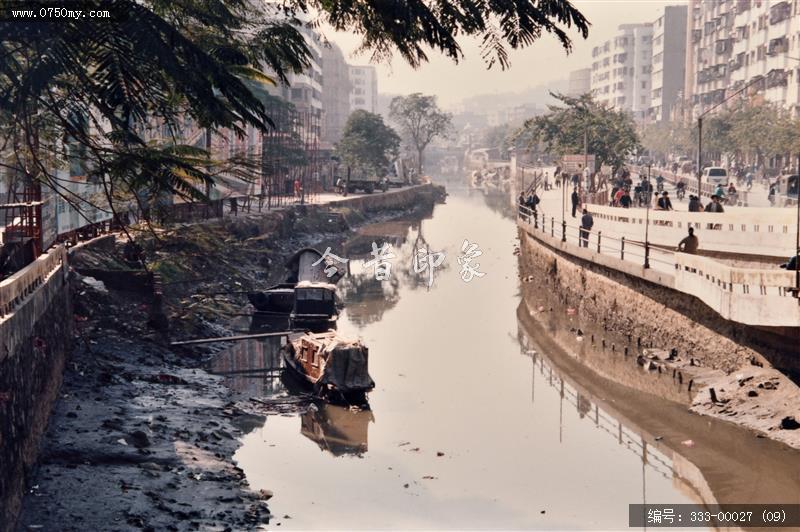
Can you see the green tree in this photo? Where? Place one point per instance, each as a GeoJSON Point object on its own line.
{"type": "Point", "coordinates": [761, 131]}
{"type": "Point", "coordinates": [420, 121]}
{"type": "Point", "coordinates": [99, 82]}
{"type": "Point", "coordinates": [367, 143]}
{"type": "Point", "coordinates": [665, 138]}
{"type": "Point", "coordinates": [611, 134]}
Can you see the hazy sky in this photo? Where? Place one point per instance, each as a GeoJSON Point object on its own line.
{"type": "Point", "coordinates": [543, 62]}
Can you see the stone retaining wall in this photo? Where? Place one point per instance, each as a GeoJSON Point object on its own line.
{"type": "Point", "coordinates": [30, 378]}
{"type": "Point", "coordinates": [652, 314]}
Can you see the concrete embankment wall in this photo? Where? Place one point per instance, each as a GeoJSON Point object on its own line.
{"type": "Point", "coordinates": [654, 315]}
{"type": "Point", "coordinates": [36, 338]}
{"type": "Point", "coordinates": [403, 198]}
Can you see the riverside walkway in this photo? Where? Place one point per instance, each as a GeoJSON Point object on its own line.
{"type": "Point", "coordinates": [758, 297]}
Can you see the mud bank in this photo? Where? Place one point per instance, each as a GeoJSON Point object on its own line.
{"type": "Point", "coordinates": [584, 308]}
{"type": "Point", "coordinates": [724, 463]}
{"type": "Point", "coordinates": [142, 436]}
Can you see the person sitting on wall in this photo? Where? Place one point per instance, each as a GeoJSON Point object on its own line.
{"type": "Point", "coordinates": [689, 244]}
{"type": "Point", "coordinates": [791, 264]}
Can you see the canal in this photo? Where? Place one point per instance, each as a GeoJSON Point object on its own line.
{"type": "Point", "coordinates": [475, 421]}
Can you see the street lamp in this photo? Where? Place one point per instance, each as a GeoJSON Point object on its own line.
{"type": "Point", "coordinates": [700, 130]}
{"type": "Point", "coordinates": [797, 230]}
{"type": "Point", "coordinates": [648, 197]}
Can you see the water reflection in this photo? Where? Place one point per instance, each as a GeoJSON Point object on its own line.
{"type": "Point", "coordinates": [472, 435]}
{"type": "Point", "coordinates": [367, 298]}
{"type": "Point", "coordinates": [337, 429]}
{"type": "Point", "coordinates": [252, 368]}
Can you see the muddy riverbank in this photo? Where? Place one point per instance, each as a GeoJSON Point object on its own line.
{"type": "Point", "coordinates": [655, 348]}
{"type": "Point", "coordinates": [142, 436]}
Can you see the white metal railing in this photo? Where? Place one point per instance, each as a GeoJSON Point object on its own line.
{"type": "Point", "coordinates": [16, 288]}
{"type": "Point", "coordinates": [707, 189]}
{"type": "Point", "coordinates": [766, 297]}
{"type": "Point", "coordinates": [749, 231]}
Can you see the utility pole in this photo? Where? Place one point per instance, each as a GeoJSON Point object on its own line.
{"type": "Point", "coordinates": [699, 156]}
{"type": "Point", "coordinates": [647, 220]}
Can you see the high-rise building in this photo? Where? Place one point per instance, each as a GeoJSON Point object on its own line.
{"type": "Point", "coordinates": [580, 82]}
{"type": "Point", "coordinates": [736, 43]}
{"type": "Point", "coordinates": [621, 69]}
{"type": "Point", "coordinates": [669, 61]}
{"type": "Point", "coordinates": [335, 93]}
{"type": "Point", "coordinates": [364, 88]}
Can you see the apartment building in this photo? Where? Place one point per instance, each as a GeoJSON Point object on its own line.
{"type": "Point", "coordinates": [364, 91]}
{"type": "Point", "coordinates": [736, 43]}
{"type": "Point", "coordinates": [336, 89]}
{"type": "Point", "coordinates": [580, 82]}
{"type": "Point", "coordinates": [622, 69]}
{"type": "Point", "coordinates": [669, 61]}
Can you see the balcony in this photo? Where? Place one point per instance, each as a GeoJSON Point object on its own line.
{"type": "Point", "coordinates": [777, 78]}
{"type": "Point", "coordinates": [778, 46]}
{"type": "Point", "coordinates": [779, 12]}
{"type": "Point", "coordinates": [742, 6]}
{"type": "Point", "coordinates": [723, 46]}
{"type": "Point", "coordinates": [736, 64]}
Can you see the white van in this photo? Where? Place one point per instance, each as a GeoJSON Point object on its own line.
{"type": "Point", "coordinates": [716, 175]}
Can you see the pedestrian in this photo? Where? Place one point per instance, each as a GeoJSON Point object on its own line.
{"type": "Point", "coordinates": [714, 205]}
{"type": "Point", "coordinates": [771, 195]}
{"type": "Point", "coordinates": [664, 203]}
{"type": "Point", "coordinates": [586, 225]}
{"type": "Point", "coordinates": [558, 180]}
{"type": "Point", "coordinates": [297, 188]}
{"type": "Point", "coordinates": [689, 244]}
{"type": "Point", "coordinates": [522, 198]}
{"type": "Point", "coordinates": [576, 201]}
{"type": "Point", "coordinates": [618, 196]}
{"type": "Point", "coordinates": [546, 181]}
{"type": "Point", "coordinates": [694, 204]}
{"type": "Point", "coordinates": [533, 201]}
{"type": "Point", "coordinates": [625, 200]}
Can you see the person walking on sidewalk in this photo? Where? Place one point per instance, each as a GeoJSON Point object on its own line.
{"type": "Point", "coordinates": [576, 201]}
{"type": "Point", "coordinates": [586, 225]}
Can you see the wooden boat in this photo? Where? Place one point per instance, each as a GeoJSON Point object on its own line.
{"type": "Point", "coordinates": [336, 369]}
{"type": "Point", "coordinates": [315, 306]}
{"type": "Point", "coordinates": [278, 299]}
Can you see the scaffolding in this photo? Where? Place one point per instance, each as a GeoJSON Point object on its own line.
{"type": "Point", "coordinates": [290, 160]}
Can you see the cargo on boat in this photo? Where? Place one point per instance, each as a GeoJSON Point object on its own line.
{"type": "Point", "coordinates": [336, 369]}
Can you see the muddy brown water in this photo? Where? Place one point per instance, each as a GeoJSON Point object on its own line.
{"type": "Point", "coordinates": [479, 420]}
